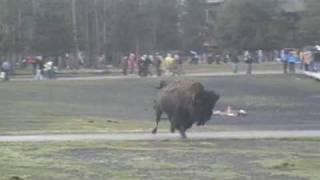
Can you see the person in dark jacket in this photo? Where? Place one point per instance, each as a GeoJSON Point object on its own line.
{"type": "Point", "coordinates": [146, 66]}
{"type": "Point", "coordinates": [284, 59]}
{"type": "Point", "coordinates": [248, 59]}
{"type": "Point", "coordinates": [157, 63]}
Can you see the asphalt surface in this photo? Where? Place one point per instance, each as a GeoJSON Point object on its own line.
{"type": "Point", "coordinates": [164, 136]}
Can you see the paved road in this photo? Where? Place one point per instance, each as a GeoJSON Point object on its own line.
{"type": "Point", "coordinates": [163, 136]}
{"type": "Point", "coordinates": [136, 76]}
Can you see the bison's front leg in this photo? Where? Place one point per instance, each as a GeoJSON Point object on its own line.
{"type": "Point", "coordinates": [178, 122]}
{"type": "Point", "coordinates": [158, 117]}
{"type": "Point", "coordinates": [183, 133]}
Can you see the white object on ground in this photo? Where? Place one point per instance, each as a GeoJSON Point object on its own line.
{"type": "Point", "coordinates": [230, 113]}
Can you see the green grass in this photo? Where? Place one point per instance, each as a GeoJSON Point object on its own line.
{"type": "Point", "coordinates": [229, 159]}
{"type": "Point", "coordinates": [298, 167]}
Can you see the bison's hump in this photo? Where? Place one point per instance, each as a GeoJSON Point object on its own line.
{"type": "Point", "coordinates": [189, 86]}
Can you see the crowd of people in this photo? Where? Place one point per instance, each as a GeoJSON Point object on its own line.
{"type": "Point", "coordinates": [308, 58]}
{"type": "Point", "coordinates": [171, 64]}
{"type": "Point", "coordinates": [235, 57]}
{"type": "Point", "coordinates": [42, 69]}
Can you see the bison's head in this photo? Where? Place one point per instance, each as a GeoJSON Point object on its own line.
{"type": "Point", "coordinates": [203, 104]}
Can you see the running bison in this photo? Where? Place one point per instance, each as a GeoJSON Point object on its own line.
{"type": "Point", "coordinates": [185, 103]}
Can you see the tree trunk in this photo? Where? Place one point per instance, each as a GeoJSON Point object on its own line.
{"type": "Point", "coordinates": [75, 35]}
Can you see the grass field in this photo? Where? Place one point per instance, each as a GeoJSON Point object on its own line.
{"type": "Point", "coordinates": [272, 101]}
{"type": "Point", "coordinates": [202, 160]}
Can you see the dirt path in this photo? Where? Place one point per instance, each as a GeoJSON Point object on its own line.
{"type": "Point", "coordinates": [163, 136]}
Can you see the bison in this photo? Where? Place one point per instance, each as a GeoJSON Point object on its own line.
{"type": "Point", "coordinates": [185, 103]}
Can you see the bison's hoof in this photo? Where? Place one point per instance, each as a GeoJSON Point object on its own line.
{"type": "Point", "coordinates": [154, 131]}
{"type": "Point", "coordinates": [183, 136]}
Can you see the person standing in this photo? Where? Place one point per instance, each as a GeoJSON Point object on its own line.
{"type": "Point", "coordinates": [169, 63]}
{"type": "Point", "coordinates": [194, 57]}
{"type": "Point", "coordinates": [248, 58]}
{"type": "Point", "coordinates": [260, 56]}
{"type": "Point", "coordinates": [146, 65]}
{"type": "Point", "coordinates": [317, 61]}
{"type": "Point", "coordinates": [284, 59]}
{"type": "Point", "coordinates": [307, 58]}
{"type": "Point", "coordinates": [124, 65]}
{"type": "Point", "coordinates": [49, 70]}
{"type": "Point", "coordinates": [132, 61]}
{"type": "Point", "coordinates": [235, 61]}
{"type": "Point", "coordinates": [158, 62]}
{"type": "Point", "coordinates": [179, 63]}
{"type": "Point", "coordinates": [292, 60]}
{"type": "Point", "coordinates": [5, 70]}
{"type": "Point", "coordinates": [39, 68]}
{"type": "Point", "coordinates": [33, 62]}
{"type": "Point", "coordinates": [140, 64]}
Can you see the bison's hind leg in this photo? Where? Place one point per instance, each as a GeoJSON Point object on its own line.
{"type": "Point", "coordinates": [172, 129]}
{"type": "Point", "coordinates": [182, 131]}
{"type": "Point", "coordinates": [158, 117]}
{"type": "Point", "coordinates": [172, 125]}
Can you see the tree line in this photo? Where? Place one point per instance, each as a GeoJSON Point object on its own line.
{"type": "Point", "coordinates": [111, 28]}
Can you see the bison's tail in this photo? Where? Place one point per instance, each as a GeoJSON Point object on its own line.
{"type": "Point", "coordinates": [162, 85]}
